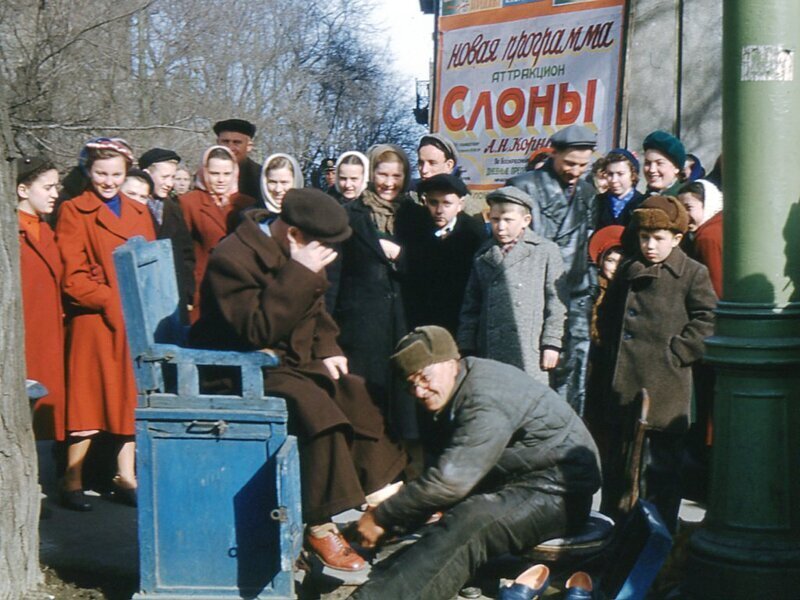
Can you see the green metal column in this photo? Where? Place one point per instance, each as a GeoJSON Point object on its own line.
{"type": "Point", "coordinates": [750, 544]}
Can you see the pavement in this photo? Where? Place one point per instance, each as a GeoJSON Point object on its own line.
{"type": "Point", "coordinates": [98, 550]}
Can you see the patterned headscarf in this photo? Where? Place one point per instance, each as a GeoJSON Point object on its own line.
{"type": "Point", "coordinates": [117, 145]}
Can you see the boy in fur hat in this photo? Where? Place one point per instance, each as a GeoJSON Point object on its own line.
{"type": "Point", "coordinates": [657, 313]}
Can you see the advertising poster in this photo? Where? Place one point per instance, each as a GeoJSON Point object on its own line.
{"type": "Point", "coordinates": [510, 73]}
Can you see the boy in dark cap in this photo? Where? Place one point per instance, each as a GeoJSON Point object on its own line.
{"type": "Point", "coordinates": [264, 289]}
{"type": "Point", "coordinates": [564, 212]}
{"type": "Point", "coordinates": [516, 467]}
{"type": "Point", "coordinates": [657, 312]}
{"type": "Point", "coordinates": [237, 136]}
{"type": "Point", "coordinates": [168, 222]}
{"type": "Point", "coordinates": [514, 308]}
{"type": "Point", "coordinates": [439, 243]}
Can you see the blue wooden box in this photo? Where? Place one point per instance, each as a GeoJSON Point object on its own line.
{"type": "Point", "coordinates": [219, 489]}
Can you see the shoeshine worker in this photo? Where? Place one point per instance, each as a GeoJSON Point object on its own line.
{"type": "Point", "coordinates": [517, 466]}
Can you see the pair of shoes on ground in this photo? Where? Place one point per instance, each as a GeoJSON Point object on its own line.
{"type": "Point", "coordinates": [532, 584]}
{"type": "Point", "coordinates": [332, 549]}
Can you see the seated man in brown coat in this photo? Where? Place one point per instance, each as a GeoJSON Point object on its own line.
{"type": "Point", "coordinates": [264, 288]}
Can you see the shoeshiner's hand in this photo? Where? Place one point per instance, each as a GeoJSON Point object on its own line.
{"type": "Point", "coordinates": [313, 255]}
{"type": "Point", "coordinates": [336, 365]}
{"type": "Point", "coordinates": [369, 530]}
{"type": "Point", "coordinates": [549, 359]}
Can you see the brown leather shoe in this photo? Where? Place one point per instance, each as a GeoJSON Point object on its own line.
{"type": "Point", "coordinates": [335, 552]}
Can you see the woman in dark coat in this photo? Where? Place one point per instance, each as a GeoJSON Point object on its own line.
{"type": "Point", "coordinates": [369, 307]}
{"type": "Point", "coordinates": [101, 390]}
{"type": "Point", "coordinates": [211, 211]}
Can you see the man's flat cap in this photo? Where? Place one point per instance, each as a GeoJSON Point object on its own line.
{"type": "Point", "coordinates": [422, 347]}
{"type": "Point", "coordinates": [443, 183]}
{"type": "Point", "coordinates": [443, 143]}
{"type": "Point", "coordinates": [574, 136]}
{"type": "Point", "coordinates": [316, 214]}
{"type": "Point", "coordinates": [510, 194]}
{"type": "Point", "coordinates": [157, 155]}
{"type": "Point", "coordinates": [235, 125]}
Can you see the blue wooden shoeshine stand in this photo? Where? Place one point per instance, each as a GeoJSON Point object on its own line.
{"type": "Point", "coordinates": [219, 488]}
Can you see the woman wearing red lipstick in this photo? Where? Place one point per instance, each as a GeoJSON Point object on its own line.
{"type": "Point", "coordinates": [101, 390]}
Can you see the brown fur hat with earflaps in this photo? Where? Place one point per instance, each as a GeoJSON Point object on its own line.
{"type": "Point", "coordinates": [661, 212]}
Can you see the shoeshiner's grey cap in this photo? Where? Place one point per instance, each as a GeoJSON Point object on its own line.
{"type": "Point", "coordinates": [316, 214]}
{"type": "Point", "coordinates": [422, 347]}
{"type": "Point", "coordinates": [574, 136]}
{"type": "Point", "coordinates": [510, 194]}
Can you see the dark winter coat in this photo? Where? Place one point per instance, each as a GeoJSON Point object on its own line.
{"type": "Point", "coordinates": [653, 322]}
{"type": "Point", "coordinates": [257, 298]}
{"type": "Point", "coordinates": [566, 221]}
{"type": "Point", "coordinates": [605, 216]}
{"type": "Point", "coordinates": [250, 181]}
{"type": "Point", "coordinates": [173, 228]}
{"type": "Point", "coordinates": [499, 425]}
{"type": "Point", "coordinates": [370, 314]}
{"type": "Point", "coordinates": [437, 268]}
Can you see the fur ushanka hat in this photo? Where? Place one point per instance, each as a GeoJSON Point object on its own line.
{"type": "Point", "coordinates": [661, 212]}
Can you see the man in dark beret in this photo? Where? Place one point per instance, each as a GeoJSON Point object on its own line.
{"type": "Point", "coordinates": [516, 467]}
{"type": "Point", "coordinates": [564, 212]}
{"type": "Point", "coordinates": [168, 222]}
{"type": "Point", "coordinates": [237, 135]}
{"type": "Point", "coordinates": [264, 290]}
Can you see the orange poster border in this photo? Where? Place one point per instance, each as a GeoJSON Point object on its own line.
{"type": "Point", "coordinates": [504, 14]}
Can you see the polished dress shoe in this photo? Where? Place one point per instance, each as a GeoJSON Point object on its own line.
{"type": "Point", "coordinates": [74, 500]}
{"type": "Point", "coordinates": [334, 551]}
{"type": "Point", "coordinates": [579, 587]}
{"type": "Point", "coordinates": [530, 585]}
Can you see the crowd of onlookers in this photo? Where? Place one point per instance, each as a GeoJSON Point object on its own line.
{"type": "Point", "coordinates": [595, 275]}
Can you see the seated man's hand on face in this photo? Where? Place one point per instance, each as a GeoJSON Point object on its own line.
{"type": "Point", "coordinates": [369, 530]}
{"type": "Point", "coordinates": [312, 255]}
{"type": "Point", "coordinates": [336, 365]}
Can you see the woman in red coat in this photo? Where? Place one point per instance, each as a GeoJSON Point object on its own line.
{"type": "Point", "coordinates": [101, 390]}
{"type": "Point", "coordinates": [212, 210]}
{"type": "Point", "coordinates": [41, 271]}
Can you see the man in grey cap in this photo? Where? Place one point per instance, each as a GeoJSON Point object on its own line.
{"type": "Point", "coordinates": [564, 212]}
{"type": "Point", "coordinates": [516, 466]}
{"type": "Point", "coordinates": [264, 289]}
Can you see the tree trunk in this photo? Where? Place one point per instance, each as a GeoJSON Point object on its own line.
{"type": "Point", "coordinates": [19, 489]}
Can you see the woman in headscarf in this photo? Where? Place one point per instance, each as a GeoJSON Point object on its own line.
{"type": "Point", "coordinates": [369, 306]}
{"type": "Point", "coordinates": [280, 173]}
{"type": "Point", "coordinates": [703, 202]}
{"type": "Point", "coordinates": [352, 175]}
{"type": "Point", "coordinates": [212, 210]}
{"type": "Point", "coordinates": [101, 389]}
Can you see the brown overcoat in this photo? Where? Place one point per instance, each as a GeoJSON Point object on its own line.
{"type": "Point", "coordinates": [101, 390]}
{"type": "Point", "coordinates": [255, 297]}
{"type": "Point", "coordinates": [655, 319]}
{"type": "Point", "coordinates": [208, 224]}
{"type": "Point", "coordinates": [41, 270]}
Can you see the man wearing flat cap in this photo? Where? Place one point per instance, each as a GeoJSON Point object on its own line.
{"type": "Point", "coordinates": [564, 212]}
{"type": "Point", "coordinates": [264, 289]}
{"type": "Point", "coordinates": [168, 222]}
{"type": "Point", "coordinates": [516, 467]}
{"type": "Point", "coordinates": [237, 136]}
{"type": "Point", "coordinates": [440, 240]}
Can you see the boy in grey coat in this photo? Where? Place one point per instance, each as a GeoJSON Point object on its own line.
{"type": "Point", "coordinates": [513, 308]}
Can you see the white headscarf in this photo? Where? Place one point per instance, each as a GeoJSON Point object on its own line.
{"type": "Point", "coordinates": [272, 205]}
{"type": "Point", "coordinates": [712, 202]}
{"type": "Point", "coordinates": [364, 162]}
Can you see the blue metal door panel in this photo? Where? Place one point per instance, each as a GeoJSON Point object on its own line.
{"type": "Point", "coordinates": [209, 487]}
